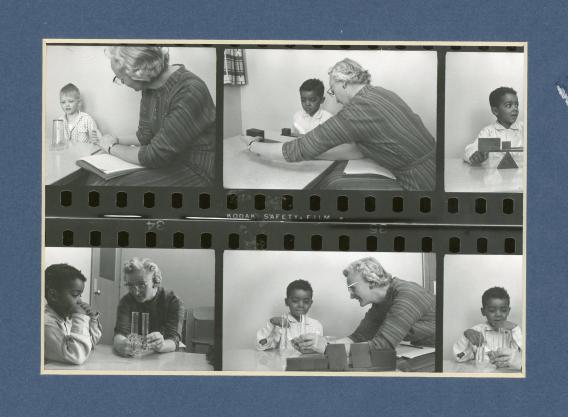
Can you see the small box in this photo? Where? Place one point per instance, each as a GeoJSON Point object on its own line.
{"type": "Point", "coordinates": [336, 354]}
{"type": "Point", "coordinates": [286, 131]}
{"type": "Point", "coordinates": [505, 145]}
{"type": "Point", "coordinates": [488, 144]}
{"type": "Point", "coordinates": [360, 355]}
{"type": "Point", "coordinates": [293, 364]}
{"type": "Point", "coordinates": [255, 133]}
{"type": "Point", "coordinates": [383, 359]}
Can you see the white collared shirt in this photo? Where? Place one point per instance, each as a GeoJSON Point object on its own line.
{"type": "Point", "coordinates": [270, 335]}
{"type": "Point", "coordinates": [303, 122]}
{"type": "Point", "coordinates": [465, 351]}
{"type": "Point", "coordinates": [513, 134]}
{"type": "Point", "coordinates": [80, 129]}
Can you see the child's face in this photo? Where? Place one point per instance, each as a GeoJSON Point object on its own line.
{"type": "Point", "coordinates": [140, 285]}
{"type": "Point", "coordinates": [496, 311]}
{"type": "Point", "coordinates": [508, 110]}
{"type": "Point", "coordinates": [311, 101]}
{"type": "Point", "coordinates": [64, 299]}
{"type": "Point", "coordinates": [299, 302]}
{"type": "Point", "coordinates": [69, 103]}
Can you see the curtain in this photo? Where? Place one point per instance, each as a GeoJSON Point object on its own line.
{"type": "Point", "coordinates": [234, 67]}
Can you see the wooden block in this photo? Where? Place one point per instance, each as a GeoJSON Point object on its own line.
{"type": "Point", "coordinates": [360, 355]}
{"type": "Point", "coordinates": [293, 364]}
{"type": "Point", "coordinates": [506, 144]}
{"type": "Point", "coordinates": [507, 162]}
{"type": "Point", "coordinates": [321, 364]}
{"type": "Point", "coordinates": [337, 356]}
{"type": "Point", "coordinates": [488, 144]}
{"type": "Point", "coordinates": [256, 133]}
{"type": "Point", "coordinates": [383, 359]}
{"type": "Point", "coordinates": [286, 131]}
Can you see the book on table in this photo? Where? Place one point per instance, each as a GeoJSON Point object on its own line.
{"type": "Point", "coordinates": [367, 166]}
{"type": "Point", "coordinates": [107, 166]}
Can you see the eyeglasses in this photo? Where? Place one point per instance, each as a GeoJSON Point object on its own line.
{"type": "Point", "coordinates": [117, 80]}
{"type": "Point", "coordinates": [350, 286]}
{"type": "Point", "coordinates": [330, 91]}
{"type": "Point", "coordinates": [136, 287]}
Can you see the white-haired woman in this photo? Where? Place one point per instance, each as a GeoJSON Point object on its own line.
{"type": "Point", "coordinates": [176, 130]}
{"type": "Point", "coordinates": [143, 279]}
{"type": "Point", "coordinates": [401, 310]}
{"type": "Point", "coordinates": [381, 125]}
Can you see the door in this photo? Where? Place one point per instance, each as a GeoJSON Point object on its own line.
{"type": "Point", "coordinates": [106, 274]}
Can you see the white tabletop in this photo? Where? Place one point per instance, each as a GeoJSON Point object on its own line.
{"type": "Point", "coordinates": [241, 169]}
{"type": "Point", "coordinates": [463, 177]}
{"type": "Point", "coordinates": [472, 367]}
{"type": "Point", "coordinates": [59, 164]}
{"type": "Point", "coordinates": [103, 358]}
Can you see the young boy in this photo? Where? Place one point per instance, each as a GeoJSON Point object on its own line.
{"type": "Point", "coordinates": [312, 96]}
{"type": "Point", "coordinates": [299, 300]}
{"type": "Point", "coordinates": [505, 106]}
{"type": "Point", "coordinates": [72, 327]}
{"type": "Point", "coordinates": [495, 308]}
{"type": "Point", "coordinates": [78, 126]}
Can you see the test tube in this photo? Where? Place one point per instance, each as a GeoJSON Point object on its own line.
{"type": "Point", "coordinates": [145, 325]}
{"type": "Point", "coordinates": [284, 337]}
{"type": "Point", "coordinates": [134, 323]}
{"type": "Point", "coordinates": [303, 324]}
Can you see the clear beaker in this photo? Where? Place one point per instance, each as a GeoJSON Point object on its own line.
{"type": "Point", "coordinates": [144, 333]}
{"type": "Point", "coordinates": [134, 338]}
{"type": "Point", "coordinates": [58, 141]}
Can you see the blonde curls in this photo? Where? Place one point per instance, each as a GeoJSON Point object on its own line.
{"type": "Point", "coordinates": [143, 265]}
{"type": "Point", "coordinates": [371, 271]}
{"type": "Point", "coordinates": [140, 63]}
{"type": "Point", "coordinates": [349, 72]}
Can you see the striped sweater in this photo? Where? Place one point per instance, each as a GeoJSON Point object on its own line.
{"type": "Point", "coordinates": [407, 313]}
{"type": "Point", "coordinates": [385, 129]}
{"type": "Point", "coordinates": [177, 126]}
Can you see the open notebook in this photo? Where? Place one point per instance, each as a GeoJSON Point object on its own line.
{"type": "Point", "coordinates": [107, 166]}
{"type": "Point", "coordinates": [366, 166]}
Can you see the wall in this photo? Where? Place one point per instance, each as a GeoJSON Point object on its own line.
{"type": "Point", "coordinates": [466, 277]}
{"type": "Point", "coordinates": [272, 96]}
{"type": "Point", "coordinates": [79, 258]}
{"type": "Point", "coordinates": [188, 273]}
{"type": "Point", "coordinates": [470, 77]}
{"type": "Point", "coordinates": [115, 108]}
{"type": "Point", "coordinates": [254, 288]}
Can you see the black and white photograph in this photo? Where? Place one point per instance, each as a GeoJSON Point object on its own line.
{"type": "Point", "coordinates": [123, 310]}
{"type": "Point", "coordinates": [328, 312]}
{"type": "Point", "coordinates": [483, 314]}
{"type": "Point", "coordinates": [485, 122]}
{"type": "Point", "coordinates": [119, 115]}
{"type": "Point", "coordinates": [330, 119]}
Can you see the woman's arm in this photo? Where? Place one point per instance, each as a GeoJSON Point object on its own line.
{"type": "Point", "coordinates": [345, 152]}
{"type": "Point", "coordinates": [109, 144]}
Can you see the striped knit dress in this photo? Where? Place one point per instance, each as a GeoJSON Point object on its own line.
{"type": "Point", "coordinates": [407, 313]}
{"type": "Point", "coordinates": [385, 129]}
{"type": "Point", "coordinates": [176, 132]}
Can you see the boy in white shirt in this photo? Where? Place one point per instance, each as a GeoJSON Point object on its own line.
{"type": "Point", "coordinates": [505, 106]}
{"type": "Point", "coordinates": [71, 326]}
{"type": "Point", "coordinates": [299, 299]}
{"type": "Point", "coordinates": [495, 307]}
{"type": "Point", "coordinates": [78, 125]}
{"type": "Point", "coordinates": [312, 97]}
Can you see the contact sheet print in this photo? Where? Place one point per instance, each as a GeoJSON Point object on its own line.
{"type": "Point", "coordinates": [284, 208]}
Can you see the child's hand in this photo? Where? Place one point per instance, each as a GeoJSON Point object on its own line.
{"type": "Point", "coordinates": [124, 348]}
{"type": "Point", "coordinates": [78, 308]}
{"type": "Point", "coordinates": [310, 342]}
{"type": "Point", "coordinates": [474, 337]}
{"type": "Point", "coordinates": [280, 322]}
{"type": "Point", "coordinates": [478, 157]}
{"type": "Point", "coordinates": [88, 309]}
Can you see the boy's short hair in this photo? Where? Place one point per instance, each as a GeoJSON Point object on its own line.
{"type": "Point", "coordinates": [496, 95]}
{"type": "Point", "coordinates": [58, 276]}
{"type": "Point", "coordinates": [495, 292]}
{"type": "Point", "coordinates": [70, 89]}
{"type": "Point", "coordinates": [299, 284]}
{"type": "Point", "coordinates": [315, 85]}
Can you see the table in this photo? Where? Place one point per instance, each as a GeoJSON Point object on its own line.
{"type": "Point", "coordinates": [103, 358]}
{"type": "Point", "coordinates": [241, 169]}
{"type": "Point", "coordinates": [252, 360]}
{"type": "Point", "coordinates": [60, 165]}
{"type": "Point", "coordinates": [463, 177]}
{"type": "Point", "coordinates": [470, 367]}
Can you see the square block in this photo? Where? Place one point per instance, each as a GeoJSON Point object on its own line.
{"type": "Point", "coordinates": [361, 355]}
{"type": "Point", "coordinates": [385, 359]}
{"type": "Point", "coordinates": [489, 144]}
{"type": "Point", "coordinates": [255, 133]}
{"type": "Point", "coordinates": [337, 356]}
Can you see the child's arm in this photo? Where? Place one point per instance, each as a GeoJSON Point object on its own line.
{"type": "Point", "coordinates": [73, 348]}
{"type": "Point", "coordinates": [268, 337]}
{"type": "Point", "coordinates": [471, 152]}
{"type": "Point", "coordinates": [464, 349]}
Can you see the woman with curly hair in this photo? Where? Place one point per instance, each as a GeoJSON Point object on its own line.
{"type": "Point", "coordinates": [374, 123]}
{"type": "Point", "coordinates": [176, 129]}
{"type": "Point", "coordinates": [400, 310]}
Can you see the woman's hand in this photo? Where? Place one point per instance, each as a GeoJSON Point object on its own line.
{"type": "Point", "coordinates": [249, 140]}
{"type": "Point", "coordinates": [155, 341]}
{"type": "Point", "coordinates": [106, 141]}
